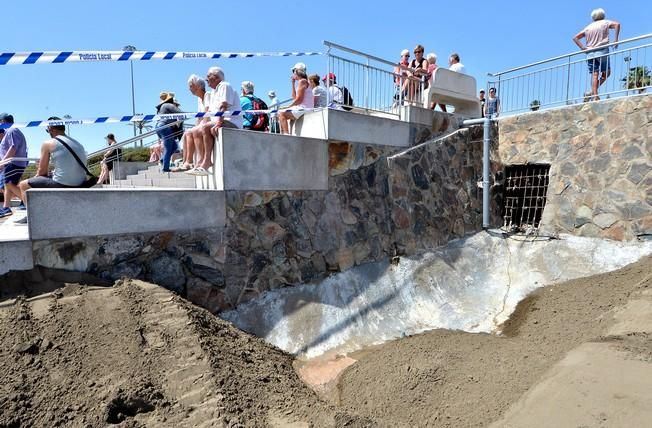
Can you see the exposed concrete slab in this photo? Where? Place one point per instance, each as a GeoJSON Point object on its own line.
{"type": "Point", "coordinates": [15, 255]}
{"type": "Point", "coordinates": [594, 385]}
{"type": "Point", "coordinates": [471, 284]}
{"type": "Point", "coordinates": [247, 160]}
{"type": "Point", "coordinates": [66, 213]}
{"type": "Point", "coordinates": [339, 125]}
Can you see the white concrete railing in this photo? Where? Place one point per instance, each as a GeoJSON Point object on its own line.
{"type": "Point", "coordinates": [456, 89]}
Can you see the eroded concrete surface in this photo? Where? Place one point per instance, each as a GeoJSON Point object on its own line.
{"type": "Point", "coordinates": [472, 284]}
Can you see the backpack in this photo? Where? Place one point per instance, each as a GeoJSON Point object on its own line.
{"type": "Point", "coordinates": [348, 99]}
{"type": "Point", "coordinates": [259, 121]}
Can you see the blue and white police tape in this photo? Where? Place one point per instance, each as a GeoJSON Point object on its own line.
{"type": "Point", "coordinates": [15, 58]}
{"type": "Point", "coordinates": [144, 118]}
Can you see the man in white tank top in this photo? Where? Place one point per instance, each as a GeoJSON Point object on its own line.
{"type": "Point", "coordinates": [596, 35]}
{"type": "Point", "coordinates": [67, 170]}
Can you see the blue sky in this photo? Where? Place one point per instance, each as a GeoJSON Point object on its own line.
{"type": "Point", "coordinates": [489, 36]}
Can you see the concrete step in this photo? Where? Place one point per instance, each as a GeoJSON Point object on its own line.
{"type": "Point", "coordinates": [157, 175]}
{"type": "Point", "coordinates": [182, 182]}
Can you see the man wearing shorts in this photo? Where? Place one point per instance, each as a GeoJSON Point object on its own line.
{"type": "Point", "coordinates": [596, 35]}
{"type": "Point", "coordinates": [13, 145]}
{"type": "Point", "coordinates": [67, 171]}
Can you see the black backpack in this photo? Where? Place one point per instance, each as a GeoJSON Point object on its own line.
{"type": "Point", "coordinates": [259, 121]}
{"type": "Point", "coordinates": [348, 99]}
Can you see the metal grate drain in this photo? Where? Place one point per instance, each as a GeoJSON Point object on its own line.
{"type": "Point", "coordinates": [526, 187]}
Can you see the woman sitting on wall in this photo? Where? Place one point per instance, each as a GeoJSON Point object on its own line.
{"type": "Point", "coordinates": [302, 97]}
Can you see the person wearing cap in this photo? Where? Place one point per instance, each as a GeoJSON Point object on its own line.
{"type": "Point", "coordinates": [223, 98]}
{"type": "Point", "coordinates": [12, 145]}
{"type": "Point", "coordinates": [169, 135]}
{"type": "Point", "coordinates": [302, 97]}
{"type": "Point", "coordinates": [455, 65]}
{"type": "Point", "coordinates": [67, 171]}
{"type": "Point", "coordinates": [335, 96]}
{"type": "Point", "coordinates": [401, 74]}
{"type": "Point", "coordinates": [110, 156]}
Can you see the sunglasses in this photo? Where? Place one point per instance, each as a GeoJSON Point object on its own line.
{"type": "Point", "coordinates": [406, 55]}
{"type": "Point", "coordinates": [416, 52]}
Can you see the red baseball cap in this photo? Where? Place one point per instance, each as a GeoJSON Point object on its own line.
{"type": "Point", "coordinates": [330, 76]}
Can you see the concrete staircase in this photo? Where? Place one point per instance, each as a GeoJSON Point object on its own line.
{"type": "Point", "coordinates": [154, 177]}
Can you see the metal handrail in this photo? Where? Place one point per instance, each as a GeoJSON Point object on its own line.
{"type": "Point", "coordinates": [19, 159]}
{"type": "Point", "coordinates": [356, 52]}
{"type": "Point", "coordinates": [129, 141]}
{"type": "Point", "coordinates": [633, 39]}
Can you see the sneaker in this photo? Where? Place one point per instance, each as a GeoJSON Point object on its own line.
{"type": "Point", "coordinates": [21, 207]}
{"type": "Point", "coordinates": [21, 220]}
{"type": "Point", "coordinates": [5, 212]}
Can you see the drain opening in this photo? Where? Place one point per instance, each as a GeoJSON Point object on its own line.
{"type": "Point", "coordinates": [526, 187]}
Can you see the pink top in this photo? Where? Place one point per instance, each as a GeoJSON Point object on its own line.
{"type": "Point", "coordinates": [597, 33]}
{"type": "Point", "coordinates": [308, 100]}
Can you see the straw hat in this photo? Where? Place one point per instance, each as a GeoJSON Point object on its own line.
{"type": "Point", "coordinates": [165, 97]}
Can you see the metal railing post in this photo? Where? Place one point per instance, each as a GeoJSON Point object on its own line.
{"type": "Point", "coordinates": [568, 77]}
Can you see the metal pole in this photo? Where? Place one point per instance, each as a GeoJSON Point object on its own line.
{"type": "Point", "coordinates": [130, 48]}
{"type": "Point", "coordinates": [486, 145]}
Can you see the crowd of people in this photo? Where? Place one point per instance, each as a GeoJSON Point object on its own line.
{"type": "Point", "coordinates": [215, 95]}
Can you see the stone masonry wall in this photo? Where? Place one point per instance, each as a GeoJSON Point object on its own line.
{"type": "Point", "coordinates": [373, 210]}
{"type": "Point", "coordinates": [601, 165]}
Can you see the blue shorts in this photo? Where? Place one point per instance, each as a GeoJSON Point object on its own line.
{"type": "Point", "coordinates": [599, 64]}
{"type": "Point", "coordinates": [11, 174]}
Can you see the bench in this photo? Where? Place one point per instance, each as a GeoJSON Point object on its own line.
{"type": "Point", "coordinates": [455, 89]}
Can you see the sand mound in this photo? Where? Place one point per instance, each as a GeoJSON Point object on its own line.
{"type": "Point", "coordinates": [456, 379]}
{"type": "Point", "coordinates": [136, 355]}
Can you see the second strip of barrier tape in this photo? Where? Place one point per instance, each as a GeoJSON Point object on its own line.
{"type": "Point", "coordinates": [146, 118]}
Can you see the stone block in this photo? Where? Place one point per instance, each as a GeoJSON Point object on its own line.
{"type": "Point", "coordinates": [66, 213]}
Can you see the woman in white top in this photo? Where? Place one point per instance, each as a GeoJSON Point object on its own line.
{"type": "Point", "coordinates": [302, 97]}
{"type": "Point", "coordinates": [318, 92]}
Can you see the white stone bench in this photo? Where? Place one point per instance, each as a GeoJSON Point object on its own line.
{"type": "Point", "coordinates": [455, 89]}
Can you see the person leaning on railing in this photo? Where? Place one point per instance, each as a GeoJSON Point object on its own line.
{"type": "Point", "coordinates": [13, 145]}
{"type": "Point", "coordinates": [419, 72]}
{"type": "Point", "coordinates": [596, 35]}
{"type": "Point", "coordinates": [401, 76]}
{"type": "Point", "coordinates": [110, 156]}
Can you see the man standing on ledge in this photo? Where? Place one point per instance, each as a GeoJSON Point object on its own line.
{"type": "Point", "coordinates": [13, 145]}
{"type": "Point", "coordinates": [597, 39]}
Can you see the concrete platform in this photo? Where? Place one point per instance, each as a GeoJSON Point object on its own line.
{"type": "Point", "coordinates": [247, 160]}
{"type": "Point", "coordinates": [15, 246]}
{"type": "Point", "coordinates": [67, 213]}
{"type": "Point", "coordinates": [337, 125]}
